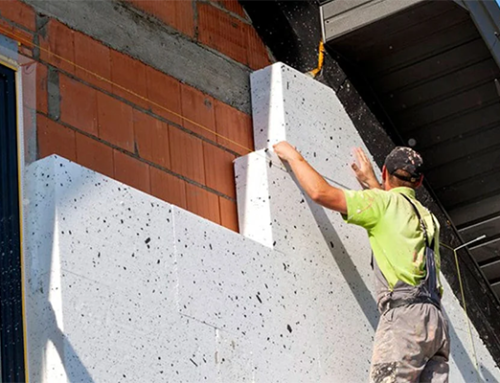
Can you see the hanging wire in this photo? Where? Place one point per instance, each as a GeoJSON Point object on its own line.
{"type": "Point", "coordinates": [474, 355]}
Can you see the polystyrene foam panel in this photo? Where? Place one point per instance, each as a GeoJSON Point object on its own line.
{"type": "Point", "coordinates": [335, 256]}
{"type": "Point", "coordinates": [101, 271]}
{"type": "Point", "coordinates": [288, 105]}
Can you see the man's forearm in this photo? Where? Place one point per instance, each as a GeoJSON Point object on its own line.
{"type": "Point", "coordinates": [311, 181]}
{"type": "Point", "coordinates": [316, 186]}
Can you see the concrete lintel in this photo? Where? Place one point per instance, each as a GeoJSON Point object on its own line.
{"type": "Point", "coordinates": [54, 96]}
{"type": "Point", "coordinates": [119, 27]}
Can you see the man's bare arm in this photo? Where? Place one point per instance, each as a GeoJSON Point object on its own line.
{"type": "Point", "coordinates": [311, 181]}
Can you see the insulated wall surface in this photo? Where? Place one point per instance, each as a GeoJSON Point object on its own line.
{"type": "Point", "coordinates": [124, 287]}
{"type": "Point", "coordinates": [273, 210]}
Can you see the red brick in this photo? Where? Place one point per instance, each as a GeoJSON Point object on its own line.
{"type": "Point", "coordinates": [184, 17]}
{"type": "Point", "coordinates": [129, 74]}
{"type": "Point", "coordinates": [177, 13]}
{"type": "Point", "coordinates": [18, 12]}
{"type": "Point", "coordinates": [186, 155]}
{"type": "Point", "coordinates": [94, 155]}
{"type": "Point", "coordinates": [162, 10]}
{"type": "Point", "coordinates": [115, 120]}
{"type": "Point", "coordinates": [257, 54]}
{"type": "Point", "coordinates": [233, 6]}
{"type": "Point", "coordinates": [203, 203]}
{"type": "Point", "coordinates": [92, 60]}
{"type": "Point", "coordinates": [228, 214]}
{"type": "Point", "coordinates": [168, 187]}
{"type": "Point", "coordinates": [78, 105]}
{"type": "Point", "coordinates": [223, 32]}
{"type": "Point", "coordinates": [41, 88]}
{"type": "Point", "coordinates": [234, 128]}
{"type": "Point", "coordinates": [131, 171]}
{"type": "Point", "coordinates": [198, 112]}
{"type": "Point", "coordinates": [219, 171]}
{"type": "Point", "coordinates": [151, 138]}
{"type": "Point", "coordinates": [165, 93]}
{"type": "Point", "coordinates": [54, 138]}
{"type": "Point", "coordinates": [58, 46]}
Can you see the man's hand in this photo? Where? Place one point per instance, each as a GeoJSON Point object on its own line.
{"type": "Point", "coordinates": [364, 171]}
{"type": "Point", "coordinates": [286, 152]}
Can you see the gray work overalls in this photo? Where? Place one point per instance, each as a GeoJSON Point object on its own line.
{"type": "Point", "coordinates": [411, 341]}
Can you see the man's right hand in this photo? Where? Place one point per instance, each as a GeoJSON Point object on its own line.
{"type": "Point", "coordinates": [364, 171]}
{"type": "Point", "coordinates": [286, 152]}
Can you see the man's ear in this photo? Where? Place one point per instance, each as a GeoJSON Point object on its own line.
{"type": "Point", "coordinates": [419, 183]}
{"type": "Point", "coordinates": [384, 173]}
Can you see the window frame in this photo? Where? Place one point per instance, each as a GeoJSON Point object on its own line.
{"type": "Point", "coordinates": [13, 364]}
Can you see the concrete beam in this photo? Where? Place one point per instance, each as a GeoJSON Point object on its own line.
{"type": "Point", "coordinates": [120, 27]}
{"type": "Point", "coordinates": [54, 96]}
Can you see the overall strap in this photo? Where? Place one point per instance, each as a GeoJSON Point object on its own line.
{"type": "Point", "coordinates": [422, 224]}
{"type": "Point", "coordinates": [427, 290]}
{"type": "Point", "coordinates": [428, 286]}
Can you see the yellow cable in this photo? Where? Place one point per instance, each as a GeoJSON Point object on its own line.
{"type": "Point", "coordinates": [19, 39]}
{"type": "Point", "coordinates": [465, 310]}
{"type": "Point", "coordinates": [321, 54]}
{"type": "Point", "coordinates": [249, 150]}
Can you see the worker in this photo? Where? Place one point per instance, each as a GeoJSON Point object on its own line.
{"type": "Point", "coordinates": [411, 342]}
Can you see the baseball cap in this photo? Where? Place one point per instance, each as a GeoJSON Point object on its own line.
{"type": "Point", "coordinates": [406, 159]}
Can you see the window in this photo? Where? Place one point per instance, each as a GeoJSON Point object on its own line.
{"type": "Point", "coordinates": [11, 298]}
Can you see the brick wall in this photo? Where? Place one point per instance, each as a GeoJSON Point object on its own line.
{"type": "Point", "coordinates": [133, 122]}
{"type": "Point", "coordinates": [219, 24]}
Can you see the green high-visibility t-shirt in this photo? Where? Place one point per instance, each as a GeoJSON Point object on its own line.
{"type": "Point", "coordinates": [394, 231]}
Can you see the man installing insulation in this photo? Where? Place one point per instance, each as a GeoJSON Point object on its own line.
{"type": "Point", "coordinates": [411, 341]}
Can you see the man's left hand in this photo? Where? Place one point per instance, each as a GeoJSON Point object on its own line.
{"type": "Point", "coordinates": [286, 152]}
{"type": "Point", "coordinates": [364, 171]}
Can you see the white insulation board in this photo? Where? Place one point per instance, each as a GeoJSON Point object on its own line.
{"type": "Point", "coordinates": [273, 210]}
